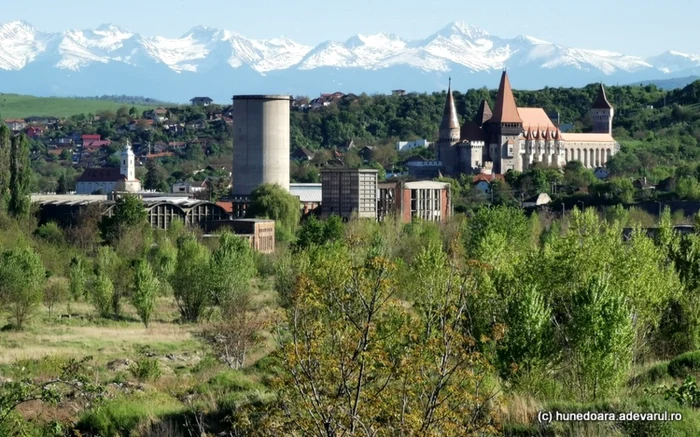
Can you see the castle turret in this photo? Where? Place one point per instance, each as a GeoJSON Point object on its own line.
{"type": "Point", "coordinates": [602, 113]}
{"type": "Point", "coordinates": [448, 136]}
{"type": "Point", "coordinates": [505, 127]}
{"type": "Point", "coordinates": [449, 127]}
{"type": "Point", "coordinates": [128, 166]}
{"type": "Point", "coordinates": [483, 114]}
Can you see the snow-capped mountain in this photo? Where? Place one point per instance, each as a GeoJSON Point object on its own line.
{"type": "Point", "coordinates": [218, 63]}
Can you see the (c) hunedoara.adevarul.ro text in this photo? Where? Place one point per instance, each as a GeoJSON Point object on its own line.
{"type": "Point", "coordinates": [594, 416]}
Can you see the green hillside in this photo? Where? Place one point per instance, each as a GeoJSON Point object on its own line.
{"type": "Point", "coordinates": [20, 106]}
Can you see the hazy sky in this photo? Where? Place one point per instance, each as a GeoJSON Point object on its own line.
{"type": "Point", "coordinates": [635, 27]}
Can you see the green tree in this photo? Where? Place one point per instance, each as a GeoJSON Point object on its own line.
{"type": "Point", "coordinates": [5, 147]}
{"type": "Point", "coordinates": [190, 282]}
{"type": "Point", "coordinates": [103, 294]}
{"type": "Point", "coordinates": [20, 175]}
{"type": "Point", "coordinates": [78, 278]}
{"type": "Point", "coordinates": [274, 202]}
{"type": "Point", "coordinates": [601, 339]}
{"type": "Point", "coordinates": [55, 291]}
{"type": "Point", "coordinates": [155, 179]}
{"type": "Point", "coordinates": [232, 269]}
{"type": "Point", "coordinates": [129, 214]}
{"type": "Point", "coordinates": [145, 290]}
{"type": "Point", "coordinates": [21, 280]}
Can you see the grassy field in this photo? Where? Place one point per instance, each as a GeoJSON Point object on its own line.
{"type": "Point", "coordinates": [20, 106]}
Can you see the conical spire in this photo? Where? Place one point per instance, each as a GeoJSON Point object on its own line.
{"type": "Point", "coordinates": [449, 114]}
{"type": "Point", "coordinates": [484, 113]}
{"type": "Point", "coordinates": [601, 102]}
{"type": "Point", "coordinates": [505, 110]}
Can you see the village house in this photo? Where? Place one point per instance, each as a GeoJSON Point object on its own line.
{"type": "Point", "coordinates": [16, 124]}
{"type": "Point", "coordinates": [326, 99]}
{"type": "Point", "coordinates": [159, 115]}
{"type": "Point", "coordinates": [404, 146]}
{"type": "Point", "coordinates": [482, 182]}
{"type": "Point", "coordinates": [34, 131]}
{"type": "Point", "coordinates": [201, 101]}
{"type": "Point", "coordinates": [301, 154]}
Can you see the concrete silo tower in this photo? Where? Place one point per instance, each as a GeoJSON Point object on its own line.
{"type": "Point", "coordinates": [260, 142]}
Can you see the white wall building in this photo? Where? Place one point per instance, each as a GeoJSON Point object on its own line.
{"type": "Point", "coordinates": [106, 180]}
{"type": "Point", "coordinates": [403, 146]}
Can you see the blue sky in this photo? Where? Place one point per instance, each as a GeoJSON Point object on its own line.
{"type": "Point", "coordinates": [635, 27]}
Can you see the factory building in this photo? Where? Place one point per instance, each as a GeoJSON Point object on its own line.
{"type": "Point", "coordinates": [424, 200]}
{"type": "Point", "coordinates": [349, 192]}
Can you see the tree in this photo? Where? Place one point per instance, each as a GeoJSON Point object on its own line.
{"type": "Point", "coordinates": [55, 291]}
{"type": "Point", "coordinates": [155, 180]}
{"type": "Point", "coordinates": [190, 282]}
{"type": "Point", "coordinates": [601, 339]}
{"type": "Point", "coordinates": [20, 174]}
{"type": "Point", "coordinates": [21, 279]}
{"type": "Point", "coordinates": [232, 269]}
{"type": "Point", "coordinates": [129, 213]}
{"type": "Point", "coordinates": [145, 290]}
{"type": "Point", "coordinates": [78, 278]}
{"type": "Point", "coordinates": [5, 147]}
{"type": "Point", "coordinates": [102, 294]}
{"type": "Point", "coordinates": [274, 202]}
{"type": "Point", "coordinates": [357, 361]}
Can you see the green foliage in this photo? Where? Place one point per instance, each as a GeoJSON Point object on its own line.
{"type": "Point", "coordinates": [51, 233]}
{"type": "Point", "coordinates": [103, 294]}
{"type": "Point", "coordinates": [601, 338]}
{"type": "Point", "coordinates": [20, 106]}
{"type": "Point", "coordinates": [129, 213]}
{"type": "Point", "coordinates": [146, 369]}
{"type": "Point", "coordinates": [55, 291]}
{"type": "Point", "coordinates": [317, 232]}
{"type": "Point", "coordinates": [21, 279]}
{"type": "Point", "coordinates": [155, 177]}
{"type": "Point", "coordinates": [232, 268]}
{"type": "Point", "coordinates": [190, 283]}
{"type": "Point", "coordinates": [685, 394]}
{"type": "Point", "coordinates": [20, 172]}
{"type": "Point", "coordinates": [5, 147]}
{"type": "Point", "coordinates": [78, 278]}
{"type": "Point", "coordinates": [684, 365]}
{"type": "Point", "coordinates": [145, 290]}
{"type": "Point", "coordinates": [274, 202]}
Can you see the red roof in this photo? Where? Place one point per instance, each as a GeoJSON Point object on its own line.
{"type": "Point", "coordinates": [14, 120]}
{"type": "Point", "coordinates": [488, 178]}
{"type": "Point", "coordinates": [505, 111]}
{"type": "Point", "coordinates": [159, 155]}
{"type": "Point", "coordinates": [91, 137]}
{"type": "Point", "coordinates": [227, 206]}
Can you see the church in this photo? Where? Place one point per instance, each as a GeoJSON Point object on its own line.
{"type": "Point", "coordinates": [107, 180]}
{"type": "Point", "coordinates": [513, 138]}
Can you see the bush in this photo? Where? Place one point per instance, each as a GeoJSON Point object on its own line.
{"type": "Point", "coordinates": [684, 365]}
{"type": "Point", "coordinates": [122, 416]}
{"type": "Point", "coordinates": [146, 369]}
{"type": "Point", "coordinates": [51, 232]}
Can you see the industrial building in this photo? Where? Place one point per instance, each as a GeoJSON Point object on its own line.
{"type": "Point", "coordinates": [425, 200]}
{"type": "Point", "coordinates": [310, 196]}
{"type": "Point", "coordinates": [162, 212]}
{"type": "Point", "coordinates": [259, 232]}
{"type": "Point", "coordinates": [349, 192]}
{"type": "Point", "coordinates": [261, 143]}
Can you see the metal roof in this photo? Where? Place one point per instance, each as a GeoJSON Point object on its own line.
{"type": "Point", "coordinates": [306, 192]}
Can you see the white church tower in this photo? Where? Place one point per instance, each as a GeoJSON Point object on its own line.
{"type": "Point", "coordinates": [128, 170]}
{"type": "Point", "coordinates": [128, 166]}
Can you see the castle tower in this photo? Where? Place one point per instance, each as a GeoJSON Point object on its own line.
{"type": "Point", "coordinates": [448, 136]}
{"type": "Point", "coordinates": [128, 166]}
{"type": "Point", "coordinates": [602, 113]}
{"type": "Point", "coordinates": [483, 114]}
{"type": "Point", "coordinates": [505, 127]}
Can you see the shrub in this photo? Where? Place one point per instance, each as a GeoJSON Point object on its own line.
{"type": "Point", "coordinates": [684, 364]}
{"type": "Point", "coordinates": [51, 232]}
{"type": "Point", "coordinates": [146, 369]}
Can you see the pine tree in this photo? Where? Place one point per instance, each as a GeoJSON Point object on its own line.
{"type": "Point", "coordinates": [19, 177]}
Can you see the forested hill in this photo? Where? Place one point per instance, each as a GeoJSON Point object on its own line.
{"type": "Point", "coordinates": [667, 122]}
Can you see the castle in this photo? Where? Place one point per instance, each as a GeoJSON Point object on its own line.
{"type": "Point", "coordinates": [512, 138]}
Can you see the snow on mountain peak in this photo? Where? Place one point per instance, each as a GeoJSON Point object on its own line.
{"type": "Point", "coordinates": [458, 45]}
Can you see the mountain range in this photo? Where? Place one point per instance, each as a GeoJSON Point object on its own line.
{"type": "Point", "coordinates": [218, 63]}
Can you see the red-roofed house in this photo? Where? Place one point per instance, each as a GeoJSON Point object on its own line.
{"type": "Point", "coordinates": [482, 182]}
{"type": "Point", "coordinates": [91, 137]}
{"type": "Point", "coordinates": [34, 131]}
